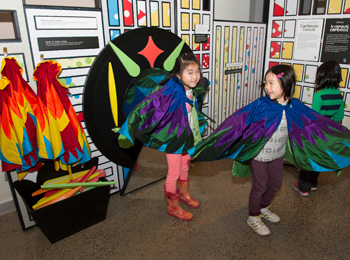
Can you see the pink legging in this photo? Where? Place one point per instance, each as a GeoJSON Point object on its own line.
{"type": "Point", "coordinates": [178, 166]}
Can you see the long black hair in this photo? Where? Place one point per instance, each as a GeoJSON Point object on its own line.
{"type": "Point", "coordinates": [286, 76]}
{"type": "Point", "coordinates": [328, 75]}
{"type": "Point", "coordinates": [181, 64]}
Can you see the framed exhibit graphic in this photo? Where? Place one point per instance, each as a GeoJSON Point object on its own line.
{"type": "Point", "coordinates": [238, 67]}
{"type": "Point", "coordinates": [313, 32]}
{"type": "Point", "coordinates": [336, 44]}
{"type": "Point", "coordinates": [308, 39]}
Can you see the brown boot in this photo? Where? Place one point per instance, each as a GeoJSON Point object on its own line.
{"type": "Point", "coordinates": [174, 208]}
{"type": "Point", "coordinates": [185, 195]}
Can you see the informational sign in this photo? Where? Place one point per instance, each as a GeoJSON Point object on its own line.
{"type": "Point", "coordinates": [336, 41]}
{"type": "Point", "coordinates": [67, 43]}
{"type": "Point", "coordinates": [65, 23]}
{"type": "Point", "coordinates": [233, 71]}
{"type": "Point", "coordinates": [59, 34]}
{"type": "Point", "coordinates": [308, 39]}
{"type": "Point", "coordinates": [201, 38]}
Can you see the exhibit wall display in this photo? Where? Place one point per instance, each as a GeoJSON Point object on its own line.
{"type": "Point", "coordinates": [304, 34]}
{"type": "Point", "coordinates": [238, 64]}
{"type": "Point", "coordinates": [75, 35]}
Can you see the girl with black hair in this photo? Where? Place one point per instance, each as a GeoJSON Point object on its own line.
{"type": "Point", "coordinates": [260, 135]}
{"type": "Point", "coordinates": [170, 120]}
{"type": "Point", "coordinates": [328, 101]}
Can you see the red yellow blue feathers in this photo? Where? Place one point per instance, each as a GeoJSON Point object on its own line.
{"type": "Point", "coordinates": [18, 105]}
{"type": "Point", "coordinates": [61, 136]}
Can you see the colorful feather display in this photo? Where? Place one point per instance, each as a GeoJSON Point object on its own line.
{"type": "Point", "coordinates": [18, 107]}
{"type": "Point", "coordinates": [61, 136]}
{"type": "Point", "coordinates": [160, 120]}
{"type": "Point", "coordinates": [316, 143]}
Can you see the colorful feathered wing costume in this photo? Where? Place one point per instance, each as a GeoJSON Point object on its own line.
{"type": "Point", "coordinates": [18, 106]}
{"type": "Point", "coordinates": [61, 136]}
{"type": "Point", "coordinates": [160, 121]}
{"type": "Point", "coordinates": [316, 143]}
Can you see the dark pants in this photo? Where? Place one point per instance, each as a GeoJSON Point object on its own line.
{"type": "Point", "coordinates": [307, 180]}
{"type": "Point", "coordinates": [267, 180]}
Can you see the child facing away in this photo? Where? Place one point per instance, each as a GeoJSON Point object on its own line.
{"type": "Point", "coordinates": [260, 134]}
{"type": "Point", "coordinates": [328, 101]}
{"type": "Point", "coordinates": [170, 121]}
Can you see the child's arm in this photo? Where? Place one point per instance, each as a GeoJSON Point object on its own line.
{"type": "Point", "coordinates": [316, 103]}
{"type": "Point", "coordinates": [340, 114]}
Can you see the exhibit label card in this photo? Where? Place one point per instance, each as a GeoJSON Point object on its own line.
{"type": "Point", "coordinates": [336, 41]}
{"type": "Point", "coordinates": [308, 39]}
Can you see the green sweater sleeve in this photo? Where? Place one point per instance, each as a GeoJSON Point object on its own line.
{"type": "Point", "coordinates": [340, 114]}
{"type": "Point", "coordinates": [316, 103]}
{"type": "Point", "coordinates": [329, 102]}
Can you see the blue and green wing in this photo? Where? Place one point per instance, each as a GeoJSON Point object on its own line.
{"type": "Point", "coordinates": [160, 121]}
{"type": "Point", "coordinates": [316, 143]}
{"type": "Point", "coordinates": [243, 134]}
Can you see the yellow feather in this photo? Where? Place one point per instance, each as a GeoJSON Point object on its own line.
{"type": "Point", "coordinates": [112, 94]}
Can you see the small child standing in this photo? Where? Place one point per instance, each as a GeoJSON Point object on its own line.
{"type": "Point", "coordinates": [328, 101]}
{"type": "Point", "coordinates": [267, 166]}
{"type": "Point", "coordinates": [260, 134]}
{"type": "Point", "coordinates": [169, 120]}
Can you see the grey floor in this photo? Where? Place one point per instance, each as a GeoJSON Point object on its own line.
{"type": "Point", "coordinates": [138, 227]}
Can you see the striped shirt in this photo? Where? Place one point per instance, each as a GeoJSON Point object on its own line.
{"type": "Point", "coordinates": [330, 103]}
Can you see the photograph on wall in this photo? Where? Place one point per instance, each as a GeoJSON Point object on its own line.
{"type": "Point", "coordinates": [291, 8]}
{"type": "Point", "coordinates": [308, 94]}
{"type": "Point", "coordinates": [347, 103]}
{"type": "Point", "coordinates": [336, 41]}
{"type": "Point", "coordinates": [278, 8]}
{"type": "Point", "coordinates": [334, 6]}
{"type": "Point", "coordinates": [275, 50]}
{"type": "Point", "coordinates": [297, 91]}
{"type": "Point", "coordinates": [277, 29]}
{"type": "Point", "coordinates": [308, 39]}
{"type": "Point", "coordinates": [344, 74]}
{"type": "Point", "coordinates": [287, 50]}
{"type": "Point", "coordinates": [310, 74]}
{"type": "Point", "coordinates": [289, 28]}
{"type": "Point", "coordinates": [347, 7]}
{"type": "Point", "coordinates": [298, 68]}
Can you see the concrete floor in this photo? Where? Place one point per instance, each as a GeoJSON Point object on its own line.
{"type": "Point", "coordinates": [138, 227]}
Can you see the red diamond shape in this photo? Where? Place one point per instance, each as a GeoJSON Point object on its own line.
{"type": "Point", "coordinates": [151, 51]}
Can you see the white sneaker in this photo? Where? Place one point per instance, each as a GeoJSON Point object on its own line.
{"type": "Point", "coordinates": [258, 226]}
{"type": "Point", "coordinates": [269, 215]}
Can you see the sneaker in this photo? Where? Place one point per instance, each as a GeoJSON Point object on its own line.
{"type": "Point", "coordinates": [314, 188]}
{"type": "Point", "coordinates": [302, 193]}
{"type": "Point", "coordinates": [258, 226]}
{"type": "Point", "coordinates": [269, 215]}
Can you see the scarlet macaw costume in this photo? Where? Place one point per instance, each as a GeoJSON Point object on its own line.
{"type": "Point", "coordinates": [18, 109]}
{"type": "Point", "coordinates": [61, 136]}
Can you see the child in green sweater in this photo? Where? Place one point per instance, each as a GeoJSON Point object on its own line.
{"type": "Point", "coordinates": [328, 101]}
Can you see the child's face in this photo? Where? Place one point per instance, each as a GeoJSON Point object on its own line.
{"type": "Point", "coordinates": [190, 76]}
{"type": "Point", "coordinates": [273, 87]}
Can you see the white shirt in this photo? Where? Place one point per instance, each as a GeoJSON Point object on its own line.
{"type": "Point", "coordinates": [275, 147]}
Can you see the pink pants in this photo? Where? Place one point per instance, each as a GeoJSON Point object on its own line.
{"type": "Point", "coordinates": [178, 166]}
